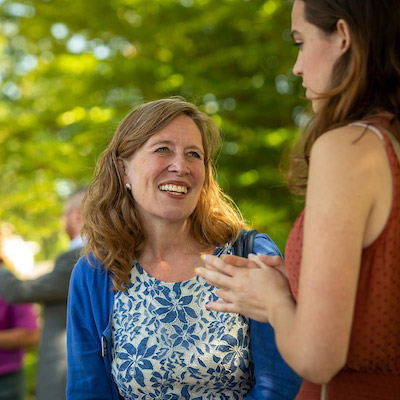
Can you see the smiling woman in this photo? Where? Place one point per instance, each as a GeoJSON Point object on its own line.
{"type": "Point", "coordinates": [138, 327]}
{"type": "Point", "coordinates": [158, 146]}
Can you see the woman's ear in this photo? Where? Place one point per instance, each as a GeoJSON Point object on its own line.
{"type": "Point", "coordinates": [343, 31]}
{"type": "Point", "coordinates": [121, 167]}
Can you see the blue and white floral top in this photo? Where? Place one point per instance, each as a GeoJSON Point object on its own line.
{"type": "Point", "coordinates": [90, 345]}
{"type": "Point", "coordinates": [167, 345]}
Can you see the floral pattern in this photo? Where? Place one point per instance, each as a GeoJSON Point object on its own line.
{"type": "Point", "coordinates": [167, 345]}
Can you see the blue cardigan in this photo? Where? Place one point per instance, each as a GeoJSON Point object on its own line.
{"type": "Point", "coordinates": [90, 305]}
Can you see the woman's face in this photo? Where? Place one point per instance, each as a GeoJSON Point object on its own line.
{"type": "Point", "coordinates": [167, 173]}
{"type": "Point", "coordinates": [318, 53]}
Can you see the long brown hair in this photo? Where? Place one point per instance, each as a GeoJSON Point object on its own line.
{"type": "Point", "coordinates": [111, 224]}
{"type": "Point", "coordinates": [366, 79]}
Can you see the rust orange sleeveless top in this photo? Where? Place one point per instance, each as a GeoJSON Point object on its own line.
{"type": "Point", "coordinates": [372, 369]}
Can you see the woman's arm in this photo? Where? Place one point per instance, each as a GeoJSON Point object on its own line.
{"type": "Point", "coordinates": [87, 317]}
{"type": "Point", "coordinates": [313, 336]}
{"type": "Point", "coordinates": [18, 338]}
{"type": "Point", "coordinates": [22, 327]}
{"type": "Point", "coordinates": [345, 172]}
{"type": "Point", "coordinates": [50, 287]}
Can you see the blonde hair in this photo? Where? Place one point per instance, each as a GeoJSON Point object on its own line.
{"type": "Point", "coordinates": [366, 79]}
{"type": "Point", "coordinates": [112, 227]}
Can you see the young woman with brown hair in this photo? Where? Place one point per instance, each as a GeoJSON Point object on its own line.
{"type": "Point", "coordinates": [337, 316]}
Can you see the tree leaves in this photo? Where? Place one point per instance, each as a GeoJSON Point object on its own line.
{"type": "Point", "coordinates": [70, 71]}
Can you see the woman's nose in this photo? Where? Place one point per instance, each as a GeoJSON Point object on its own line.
{"type": "Point", "coordinates": [297, 67]}
{"type": "Point", "coordinates": [179, 164]}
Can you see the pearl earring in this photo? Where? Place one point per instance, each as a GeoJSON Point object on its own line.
{"type": "Point", "coordinates": [128, 186]}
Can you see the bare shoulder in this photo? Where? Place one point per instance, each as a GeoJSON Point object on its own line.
{"type": "Point", "coordinates": [350, 170]}
{"type": "Point", "coordinates": [350, 145]}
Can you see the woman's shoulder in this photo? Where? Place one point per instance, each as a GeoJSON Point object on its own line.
{"type": "Point", "coordinates": [349, 135]}
{"type": "Point", "coordinates": [350, 145]}
{"type": "Point", "coordinates": [257, 243]}
{"type": "Point", "coordinates": [265, 245]}
{"type": "Point", "coordinates": [88, 266]}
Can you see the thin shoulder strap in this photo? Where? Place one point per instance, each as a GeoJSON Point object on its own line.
{"type": "Point", "coordinates": [372, 127]}
{"type": "Point", "coordinates": [395, 143]}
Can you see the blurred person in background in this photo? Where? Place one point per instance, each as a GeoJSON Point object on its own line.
{"type": "Point", "coordinates": [51, 290]}
{"type": "Point", "coordinates": [18, 331]}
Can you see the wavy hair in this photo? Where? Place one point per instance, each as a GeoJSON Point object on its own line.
{"type": "Point", "coordinates": [365, 80]}
{"type": "Point", "coordinates": [111, 224]}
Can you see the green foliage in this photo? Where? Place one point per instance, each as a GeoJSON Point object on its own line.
{"type": "Point", "coordinates": [70, 71]}
{"type": "Point", "coordinates": [30, 372]}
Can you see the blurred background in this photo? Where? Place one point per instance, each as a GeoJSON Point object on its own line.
{"type": "Point", "coordinates": [71, 70]}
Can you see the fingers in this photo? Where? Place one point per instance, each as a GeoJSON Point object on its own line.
{"type": "Point", "coordinates": [216, 272]}
{"type": "Point", "coordinates": [254, 261]}
{"type": "Point", "coordinates": [211, 283]}
{"type": "Point", "coordinates": [257, 261]}
{"type": "Point", "coordinates": [264, 261]}
{"type": "Point", "coordinates": [222, 306]}
{"type": "Point", "coordinates": [270, 261]}
{"type": "Point", "coordinates": [217, 264]}
{"type": "Point", "coordinates": [213, 277]}
{"type": "Point", "coordinates": [276, 262]}
{"type": "Point", "coordinates": [238, 261]}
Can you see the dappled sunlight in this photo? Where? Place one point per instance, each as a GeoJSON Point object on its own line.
{"type": "Point", "coordinates": [248, 178]}
{"type": "Point", "coordinates": [269, 8]}
{"type": "Point", "coordinates": [278, 137]}
{"type": "Point", "coordinates": [76, 65]}
{"type": "Point", "coordinates": [98, 114]}
{"type": "Point", "coordinates": [68, 75]}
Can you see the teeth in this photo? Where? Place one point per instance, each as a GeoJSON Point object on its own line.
{"type": "Point", "coordinates": [173, 188]}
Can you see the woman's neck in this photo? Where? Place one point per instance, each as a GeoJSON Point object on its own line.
{"type": "Point", "coordinates": [170, 253]}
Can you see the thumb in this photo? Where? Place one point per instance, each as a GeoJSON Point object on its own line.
{"type": "Point", "coordinates": [276, 262]}
{"type": "Point", "coordinates": [271, 261]}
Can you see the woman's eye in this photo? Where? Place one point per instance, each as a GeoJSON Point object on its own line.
{"type": "Point", "coordinates": [194, 154]}
{"type": "Point", "coordinates": [162, 150]}
{"type": "Point", "coordinates": [298, 44]}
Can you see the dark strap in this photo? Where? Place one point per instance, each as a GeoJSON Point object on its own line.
{"type": "Point", "coordinates": [244, 244]}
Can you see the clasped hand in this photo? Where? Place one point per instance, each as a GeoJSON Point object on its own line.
{"type": "Point", "coordinates": [249, 286]}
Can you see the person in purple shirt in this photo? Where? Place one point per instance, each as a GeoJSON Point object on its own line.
{"type": "Point", "coordinates": [18, 330]}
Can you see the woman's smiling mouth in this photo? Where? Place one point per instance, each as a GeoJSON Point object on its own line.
{"type": "Point", "coordinates": [174, 189]}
